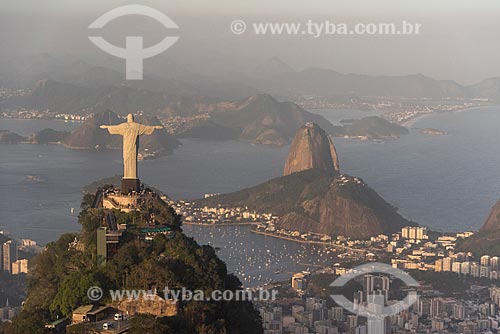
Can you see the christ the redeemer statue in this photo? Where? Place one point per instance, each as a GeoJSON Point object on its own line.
{"type": "Point", "coordinates": [131, 131]}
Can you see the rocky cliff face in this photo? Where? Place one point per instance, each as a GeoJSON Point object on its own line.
{"type": "Point", "coordinates": [492, 223]}
{"type": "Point", "coordinates": [348, 207]}
{"type": "Point", "coordinates": [311, 148]}
{"type": "Point", "coordinates": [316, 201]}
{"type": "Point", "coordinates": [261, 119]}
{"type": "Point", "coordinates": [487, 240]}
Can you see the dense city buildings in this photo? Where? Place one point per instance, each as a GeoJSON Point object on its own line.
{"type": "Point", "coordinates": [412, 249]}
{"type": "Point", "coordinates": [10, 261]}
{"type": "Point", "coordinates": [433, 312]}
{"type": "Point", "coordinates": [9, 255]}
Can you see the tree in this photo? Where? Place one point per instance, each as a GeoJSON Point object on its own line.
{"type": "Point", "coordinates": [4, 327]}
{"type": "Point", "coordinates": [88, 200]}
{"type": "Point", "coordinates": [28, 322]}
{"type": "Point", "coordinates": [83, 327]}
{"type": "Point", "coordinates": [72, 292]}
{"type": "Point", "coordinates": [62, 275]}
{"type": "Point", "coordinates": [90, 219]}
{"type": "Point", "coordinates": [147, 324]}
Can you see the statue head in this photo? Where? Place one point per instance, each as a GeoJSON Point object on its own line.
{"type": "Point", "coordinates": [130, 118]}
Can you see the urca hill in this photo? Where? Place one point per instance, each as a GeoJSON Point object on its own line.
{"type": "Point", "coordinates": [313, 196]}
{"type": "Point", "coordinates": [487, 240]}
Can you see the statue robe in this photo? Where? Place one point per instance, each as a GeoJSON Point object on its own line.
{"type": "Point", "coordinates": [131, 131]}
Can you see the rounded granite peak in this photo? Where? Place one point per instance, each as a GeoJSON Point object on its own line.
{"type": "Point", "coordinates": [311, 148]}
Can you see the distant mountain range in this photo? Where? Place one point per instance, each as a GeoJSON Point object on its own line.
{"type": "Point", "coordinates": [23, 72]}
{"type": "Point", "coordinates": [70, 98]}
{"type": "Point", "coordinates": [80, 88]}
{"type": "Point", "coordinates": [272, 76]}
{"type": "Point", "coordinates": [279, 79]}
{"type": "Point", "coordinates": [261, 119]}
{"type": "Point", "coordinates": [323, 82]}
{"type": "Point", "coordinates": [257, 119]}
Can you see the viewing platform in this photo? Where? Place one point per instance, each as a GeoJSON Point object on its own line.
{"type": "Point", "coordinates": [125, 203]}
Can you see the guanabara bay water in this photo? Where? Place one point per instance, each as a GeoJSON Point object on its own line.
{"type": "Point", "coordinates": [443, 182]}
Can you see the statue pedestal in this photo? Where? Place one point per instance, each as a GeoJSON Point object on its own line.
{"type": "Point", "coordinates": [129, 185]}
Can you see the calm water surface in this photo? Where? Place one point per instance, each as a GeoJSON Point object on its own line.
{"type": "Point", "coordinates": [444, 182]}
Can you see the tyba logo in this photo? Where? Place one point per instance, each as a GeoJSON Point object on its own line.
{"type": "Point", "coordinates": [134, 52]}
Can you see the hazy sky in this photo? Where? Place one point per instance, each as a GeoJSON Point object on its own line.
{"type": "Point", "coordinates": [459, 39]}
{"type": "Point", "coordinates": [274, 7]}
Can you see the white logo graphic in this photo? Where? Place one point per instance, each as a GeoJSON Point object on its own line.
{"type": "Point", "coordinates": [94, 293]}
{"type": "Point", "coordinates": [375, 310]}
{"type": "Point", "coordinates": [238, 27]}
{"type": "Point", "coordinates": [134, 52]}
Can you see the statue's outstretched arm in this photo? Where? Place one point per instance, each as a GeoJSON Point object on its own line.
{"type": "Point", "coordinates": [114, 129]}
{"type": "Point", "coordinates": [148, 130]}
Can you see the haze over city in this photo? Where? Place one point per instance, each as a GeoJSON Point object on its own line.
{"type": "Point", "coordinates": [457, 40]}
